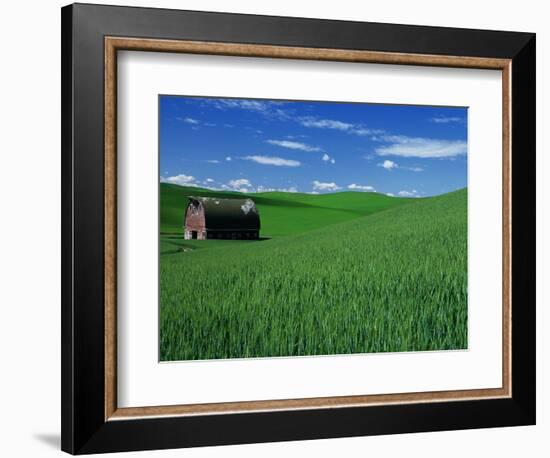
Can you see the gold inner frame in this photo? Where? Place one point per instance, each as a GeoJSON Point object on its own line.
{"type": "Point", "coordinates": [114, 44]}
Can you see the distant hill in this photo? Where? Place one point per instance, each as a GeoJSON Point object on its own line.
{"type": "Point", "coordinates": [281, 213]}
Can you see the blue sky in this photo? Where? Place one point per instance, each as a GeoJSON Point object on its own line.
{"type": "Point", "coordinates": [257, 145]}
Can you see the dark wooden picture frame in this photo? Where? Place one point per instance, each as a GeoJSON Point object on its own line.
{"type": "Point", "coordinates": [91, 37]}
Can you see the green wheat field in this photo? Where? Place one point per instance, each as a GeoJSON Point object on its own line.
{"type": "Point", "coordinates": [339, 273]}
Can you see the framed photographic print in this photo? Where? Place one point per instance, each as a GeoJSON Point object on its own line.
{"type": "Point", "coordinates": [282, 228]}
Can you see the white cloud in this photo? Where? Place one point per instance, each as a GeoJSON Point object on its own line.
{"type": "Point", "coordinates": [446, 119]}
{"type": "Point", "coordinates": [254, 105]}
{"type": "Point", "coordinates": [388, 165]}
{"type": "Point", "coordinates": [359, 187]}
{"type": "Point", "coordinates": [327, 158]}
{"type": "Point", "coordinates": [291, 137]}
{"type": "Point", "coordinates": [363, 131]}
{"type": "Point", "coordinates": [273, 160]}
{"type": "Point", "coordinates": [209, 180]}
{"type": "Point", "coordinates": [239, 183]}
{"type": "Point", "coordinates": [228, 158]}
{"type": "Point", "coordinates": [189, 120]}
{"type": "Point", "coordinates": [293, 145]}
{"type": "Point", "coordinates": [264, 189]}
{"type": "Point", "coordinates": [357, 129]}
{"type": "Point", "coordinates": [404, 146]}
{"type": "Point", "coordinates": [182, 180]}
{"type": "Point", "coordinates": [411, 193]}
{"type": "Point", "coordinates": [310, 121]}
{"type": "Point", "coordinates": [270, 108]}
{"type": "Point", "coordinates": [212, 161]}
{"type": "Point", "coordinates": [390, 194]}
{"type": "Point", "coordinates": [320, 186]}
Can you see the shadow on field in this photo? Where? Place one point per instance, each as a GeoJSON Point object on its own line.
{"type": "Point", "coordinates": [181, 245]}
{"type": "Point", "coordinates": [171, 236]}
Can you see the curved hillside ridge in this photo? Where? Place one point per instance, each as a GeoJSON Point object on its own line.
{"type": "Point", "coordinates": [282, 213]}
{"type": "Point", "coordinates": [431, 215]}
{"type": "Point", "coordinates": [270, 196]}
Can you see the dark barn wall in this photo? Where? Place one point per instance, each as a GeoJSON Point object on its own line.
{"type": "Point", "coordinates": [215, 218]}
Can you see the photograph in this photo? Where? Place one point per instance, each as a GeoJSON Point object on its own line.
{"type": "Point", "coordinates": [310, 228]}
{"type": "Point", "coordinates": [279, 225]}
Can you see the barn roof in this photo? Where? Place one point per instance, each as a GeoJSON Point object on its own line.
{"type": "Point", "coordinates": [229, 213]}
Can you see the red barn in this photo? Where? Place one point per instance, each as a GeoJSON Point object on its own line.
{"type": "Point", "coordinates": [213, 218]}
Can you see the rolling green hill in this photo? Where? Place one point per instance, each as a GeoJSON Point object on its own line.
{"type": "Point", "coordinates": [281, 213]}
{"type": "Point", "coordinates": [342, 273]}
